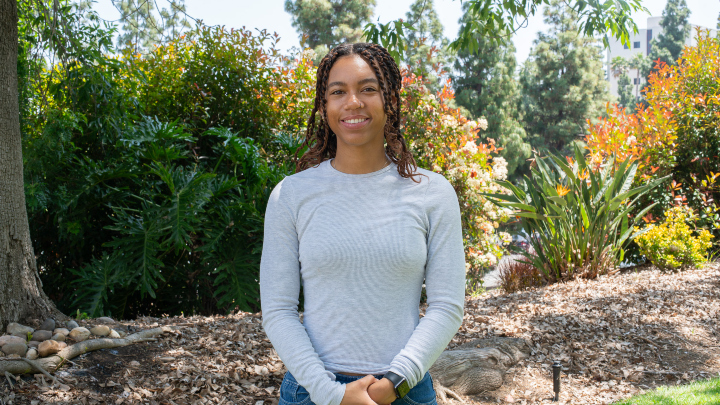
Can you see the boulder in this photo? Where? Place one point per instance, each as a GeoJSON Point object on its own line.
{"type": "Point", "coordinates": [32, 354]}
{"type": "Point", "coordinates": [16, 329]}
{"type": "Point", "coordinates": [61, 331]}
{"type": "Point", "coordinates": [11, 339]}
{"type": "Point", "coordinates": [71, 324]}
{"type": "Point", "coordinates": [48, 347]}
{"type": "Point", "coordinates": [79, 334]}
{"type": "Point", "coordinates": [58, 337]}
{"type": "Point", "coordinates": [105, 319]}
{"type": "Point", "coordinates": [100, 330]}
{"type": "Point", "coordinates": [41, 335]}
{"type": "Point", "coordinates": [48, 325]}
{"type": "Point", "coordinates": [114, 334]}
{"type": "Point", "coordinates": [15, 348]}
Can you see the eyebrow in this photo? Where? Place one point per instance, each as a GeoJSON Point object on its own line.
{"type": "Point", "coordinates": [361, 82]}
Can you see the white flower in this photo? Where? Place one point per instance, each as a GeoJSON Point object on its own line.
{"type": "Point", "coordinates": [500, 170]}
{"type": "Point", "coordinates": [631, 140]}
{"type": "Point", "coordinates": [471, 147]}
{"type": "Point", "coordinates": [482, 123]}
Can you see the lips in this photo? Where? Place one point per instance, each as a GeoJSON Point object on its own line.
{"type": "Point", "coordinates": [355, 121]}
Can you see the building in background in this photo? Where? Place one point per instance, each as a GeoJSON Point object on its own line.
{"type": "Point", "coordinates": [640, 43]}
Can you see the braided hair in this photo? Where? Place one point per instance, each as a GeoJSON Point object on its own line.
{"type": "Point", "coordinates": [319, 138]}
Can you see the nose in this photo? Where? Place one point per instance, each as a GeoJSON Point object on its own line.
{"type": "Point", "coordinates": [354, 102]}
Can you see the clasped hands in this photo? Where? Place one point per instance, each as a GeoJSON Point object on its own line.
{"type": "Point", "coordinates": [369, 391]}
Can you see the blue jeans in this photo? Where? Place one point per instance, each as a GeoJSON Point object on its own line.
{"type": "Point", "coordinates": [292, 393]}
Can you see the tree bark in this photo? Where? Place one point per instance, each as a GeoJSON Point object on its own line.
{"type": "Point", "coordinates": [21, 294]}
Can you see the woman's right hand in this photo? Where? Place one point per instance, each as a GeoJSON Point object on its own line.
{"type": "Point", "coordinates": [356, 392]}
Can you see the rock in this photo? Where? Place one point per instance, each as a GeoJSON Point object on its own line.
{"type": "Point", "coordinates": [62, 345]}
{"type": "Point", "coordinates": [48, 347]}
{"type": "Point", "coordinates": [15, 348]}
{"type": "Point", "coordinates": [100, 330]}
{"type": "Point", "coordinates": [134, 363]}
{"type": "Point", "coordinates": [58, 337]}
{"type": "Point", "coordinates": [13, 356]}
{"type": "Point", "coordinates": [105, 319]}
{"type": "Point", "coordinates": [79, 334]}
{"type": "Point", "coordinates": [48, 325]}
{"type": "Point", "coordinates": [61, 331]}
{"type": "Point", "coordinates": [16, 329]}
{"type": "Point", "coordinates": [121, 332]}
{"type": "Point", "coordinates": [32, 354]}
{"type": "Point", "coordinates": [114, 334]}
{"type": "Point", "coordinates": [41, 335]}
{"type": "Point", "coordinates": [71, 325]}
{"type": "Point", "coordinates": [33, 343]}
{"type": "Point", "coordinates": [11, 339]}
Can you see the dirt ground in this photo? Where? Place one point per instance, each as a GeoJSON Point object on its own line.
{"type": "Point", "coordinates": [615, 336]}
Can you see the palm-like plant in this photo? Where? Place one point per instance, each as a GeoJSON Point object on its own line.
{"type": "Point", "coordinates": [577, 217]}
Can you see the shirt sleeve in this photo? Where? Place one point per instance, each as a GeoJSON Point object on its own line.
{"type": "Point", "coordinates": [279, 298]}
{"type": "Point", "coordinates": [444, 284]}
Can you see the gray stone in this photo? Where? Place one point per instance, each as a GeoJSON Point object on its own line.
{"type": "Point", "coordinates": [100, 330]}
{"type": "Point", "coordinates": [71, 324]}
{"type": "Point", "coordinates": [61, 331]}
{"type": "Point", "coordinates": [48, 325]}
{"type": "Point", "coordinates": [11, 339]}
{"type": "Point", "coordinates": [58, 337]}
{"type": "Point", "coordinates": [18, 330]}
{"type": "Point", "coordinates": [15, 348]}
{"type": "Point", "coordinates": [41, 335]}
{"type": "Point", "coordinates": [114, 334]}
{"type": "Point", "coordinates": [32, 354]}
{"type": "Point", "coordinates": [48, 347]}
{"type": "Point", "coordinates": [33, 343]}
{"type": "Point", "coordinates": [79, 334]}
{"type": "Point", "coordinates": [105, 319]}
{"type": "Point", "coordinates": [121, 332]}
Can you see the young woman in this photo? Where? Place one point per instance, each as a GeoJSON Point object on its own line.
{"type": "Point", "coordinates": [360, 228]}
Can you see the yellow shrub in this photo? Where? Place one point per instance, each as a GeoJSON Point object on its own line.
{"type": "Point", "coordinates": [672, 245]}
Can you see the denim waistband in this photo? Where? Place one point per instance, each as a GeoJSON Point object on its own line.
{"type": "Point", "coordinates": [345, 379]}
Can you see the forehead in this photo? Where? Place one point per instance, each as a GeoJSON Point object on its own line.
{"type": "Point", "coordinates": [350, 69]}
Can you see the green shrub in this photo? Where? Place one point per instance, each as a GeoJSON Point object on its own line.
{"type": "Point", "coordinates": [577, 218]}
{"type": "Point", "coordinates": [672, 245]}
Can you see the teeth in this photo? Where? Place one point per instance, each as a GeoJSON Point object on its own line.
{"type": "Point", "coordinates": [355, 121]}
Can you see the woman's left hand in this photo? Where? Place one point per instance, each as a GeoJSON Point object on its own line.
{"type": "Point", "coordinates": [382, 392]}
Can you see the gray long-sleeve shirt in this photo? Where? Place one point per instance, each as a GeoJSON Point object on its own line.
{"type": "Point", "coordinates": [361, 246]}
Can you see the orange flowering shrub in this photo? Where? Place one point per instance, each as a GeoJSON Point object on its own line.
{"type": "Point", "coordinates": [444, 141]}
{"type": "Point", "coordinates": [676, 133]}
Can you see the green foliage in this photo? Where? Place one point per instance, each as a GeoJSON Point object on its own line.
{"type": "Point", "coordinates": [703, 392]}
{"type": "Point", "coordinates": [327, 23]}
{"type": "Point", "coordinates": [672, 245]}
{"type": "Point", "coordinates": [676, 29]}
{"type": "Point", "coordinates": [147, 176]}
{"type": "Point", "coordinates": [141, 27]}
{"type": "Point", "coordinates": [486, 86]}
{"type": "Point", "coordinates": [391, 36]}
{"type": "Point", "coordinates": [427, 53]}
{"type": "Point", "coordinates": [563, 83]}
{"type": "Point", "coordinates": [577, 218]}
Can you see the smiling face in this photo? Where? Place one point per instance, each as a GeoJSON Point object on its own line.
{"type": "Point", "coordinates": [354, 104]}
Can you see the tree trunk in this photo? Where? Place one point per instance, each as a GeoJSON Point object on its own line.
{"type": "Point", "coordinates": [21, 294]}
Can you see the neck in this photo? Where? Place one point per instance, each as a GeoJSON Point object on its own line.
{"type": "Point", "coordinates": [360, 162]}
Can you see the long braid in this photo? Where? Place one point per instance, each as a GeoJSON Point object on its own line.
{"type": "Point", "coordinates": [321, 142]}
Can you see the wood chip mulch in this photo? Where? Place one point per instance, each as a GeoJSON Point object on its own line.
{"type": "Point", "coordinates": [616, 336]}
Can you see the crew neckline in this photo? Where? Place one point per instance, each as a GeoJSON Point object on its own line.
{"type": "Point", "coordinates": [337, 172]}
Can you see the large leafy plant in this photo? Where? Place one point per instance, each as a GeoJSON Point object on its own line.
{"type": "Point", "coordinates": [577, 218]}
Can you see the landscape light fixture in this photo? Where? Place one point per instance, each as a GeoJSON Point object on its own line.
{"type": "Point", "coordinates": [556, 367]}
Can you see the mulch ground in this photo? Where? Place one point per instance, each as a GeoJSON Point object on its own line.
{"type": "Point", "coordinates": [616, 336]}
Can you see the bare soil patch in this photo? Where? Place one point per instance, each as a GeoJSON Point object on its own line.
{"type": "Point", "coordinates": [616, 336]}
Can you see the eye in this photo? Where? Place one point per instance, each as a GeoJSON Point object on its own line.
{"type": "Point", "coordinates": [336, 92]}
{"type": "Point", "coordinates": [369, 89]}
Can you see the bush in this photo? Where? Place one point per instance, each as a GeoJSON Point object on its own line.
{"type": "Point", "coordinates": [677, 133]}
{"type": "Point", "coordinates": [577, 218]}
{"type": "Point", "coordinates": [517, 274]}
{"type": "Point", "coordinates": [444, 141]}
{"type": "Point", "coordinates": [672, 245]}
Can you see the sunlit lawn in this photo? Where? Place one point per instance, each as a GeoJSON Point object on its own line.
{"type": "Point", "coordinates": [705, 392]}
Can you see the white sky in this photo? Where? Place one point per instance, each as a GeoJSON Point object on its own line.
{"type": "Point", "coordinates": [271, 15]}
